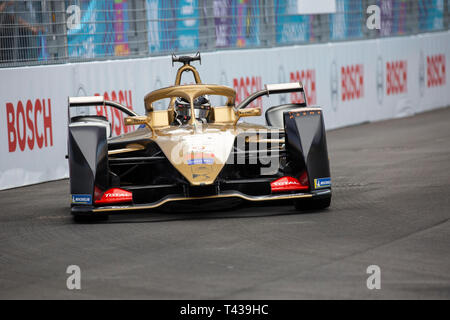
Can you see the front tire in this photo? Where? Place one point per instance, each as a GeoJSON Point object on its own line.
{"type": "Point", "coordinates": [312, 204]}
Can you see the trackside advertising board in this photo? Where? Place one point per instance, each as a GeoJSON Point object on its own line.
{"type": "Point", "coordinates": [353, 82]}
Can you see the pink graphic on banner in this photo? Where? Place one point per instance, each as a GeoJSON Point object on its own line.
{"type": "Point", "coordinates": [121, 47]}
{"type": "Point", "coordinates": [387, 17]}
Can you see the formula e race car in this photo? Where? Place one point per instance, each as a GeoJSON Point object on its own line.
{"type": "Point", "coordinates": [195, 153]}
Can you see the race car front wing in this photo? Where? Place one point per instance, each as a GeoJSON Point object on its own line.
{"type": "Point", "coordinates": [175, 198]}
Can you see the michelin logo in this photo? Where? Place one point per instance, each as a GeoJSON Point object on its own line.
{"type": "Point", "coordinates": [82, 198]}
{"type": "Point", "coordinates": [322, 183]}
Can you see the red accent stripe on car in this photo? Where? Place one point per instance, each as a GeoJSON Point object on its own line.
{"type": "Point", "coordinates": [287, 184]}
{"type": "Point", "coordinates": [115, 195]}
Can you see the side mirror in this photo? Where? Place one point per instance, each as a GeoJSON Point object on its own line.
{"type": "Point", "coordinates": [138, 120]}
{"type": "Point", "coordinates": [247, 112]}
{"type": "Point", "coordinates": [130, 121]}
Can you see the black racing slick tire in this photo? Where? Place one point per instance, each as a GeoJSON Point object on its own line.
{"type": "Point", "coordinates": [312, 204]}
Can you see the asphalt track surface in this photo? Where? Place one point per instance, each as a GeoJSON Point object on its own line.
{"type": "Point", "coordinates": [391, 208]}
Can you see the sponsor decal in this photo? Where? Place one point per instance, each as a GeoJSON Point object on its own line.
{"type": "Point", "coordinates": [287, 184]}
{"type": "Point", "coordinates": [322, 183]}
{"type": "Point", "coordinates": [29, 124]}
{"type": "Point", "coordinates": [396, 77]}
{"type": "Point", "coordinates": [245, 86]}
{"type": "Point", "coordinates": [114, 195]}
{"type": "Point", "coordinates": [308, 79]}
{"type": "Point", "coordinates": [113, 115]}
{"type": "Point", "coordinates": [82, 198]}
{"type": "Point", "coordinates": [201, 172]}
{"type": "Point", "coordinates": [200, 161]}
{"type": "Point", "coordinates": [199, 158]}
{"type": "Point", "coordinates": [352, 82]}
{"type": "Point", "coordinates": [436, 70]}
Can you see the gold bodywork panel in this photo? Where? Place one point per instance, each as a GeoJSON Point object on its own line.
{"type": "Point", "coordinates": [223, 115]}
{"type": "Point", "coordinates": [189, 92]}
{"type": "Point", "coordinates": [159, 118]}
{"type": "Point", "coordinates": [198, 152]}
{"type": "Point", "coordinates": [129, 148]}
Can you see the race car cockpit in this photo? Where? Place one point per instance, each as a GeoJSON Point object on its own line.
{"type": "Point", "coordinates": [182, 110]}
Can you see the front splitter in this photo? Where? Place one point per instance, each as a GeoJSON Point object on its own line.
{"type": "Point", "coordinates": [177, 198]}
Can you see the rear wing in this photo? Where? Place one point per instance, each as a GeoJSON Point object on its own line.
{"type": "Point", "coordinates": [96, 101]}
{"type": "Point", "coordinates": [274, 89]}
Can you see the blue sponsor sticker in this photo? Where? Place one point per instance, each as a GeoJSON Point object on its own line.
{"type": "Point", "coordinates": [82, 198]}
{"type": "Point", "coordinates": [322, 183]}
{"type": "Point", "coordinates": [200, 161]}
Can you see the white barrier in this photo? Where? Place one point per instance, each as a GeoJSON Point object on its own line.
{"type": "Point", "coordinates": [354, 82]}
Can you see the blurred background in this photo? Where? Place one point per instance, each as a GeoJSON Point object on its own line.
{"type": "Point", "coordinates": [61, 31]}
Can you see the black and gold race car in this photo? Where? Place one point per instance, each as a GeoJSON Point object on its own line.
{"type": "Point", "coordinates": [196, 153]}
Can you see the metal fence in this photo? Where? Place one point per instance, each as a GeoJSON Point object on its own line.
{"type": "Point", "coordinates": [60, 31]}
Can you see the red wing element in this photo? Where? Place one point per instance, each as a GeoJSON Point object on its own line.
{"type": "Point", "coordinates": [115, 195]}
{"type": "Point", "coordinates": [304, 179]}
{"type": "Point", "coordinates": [287, 184]}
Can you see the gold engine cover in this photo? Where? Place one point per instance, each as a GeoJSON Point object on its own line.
{"type": "Point", "coordinates": [199, 154]}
